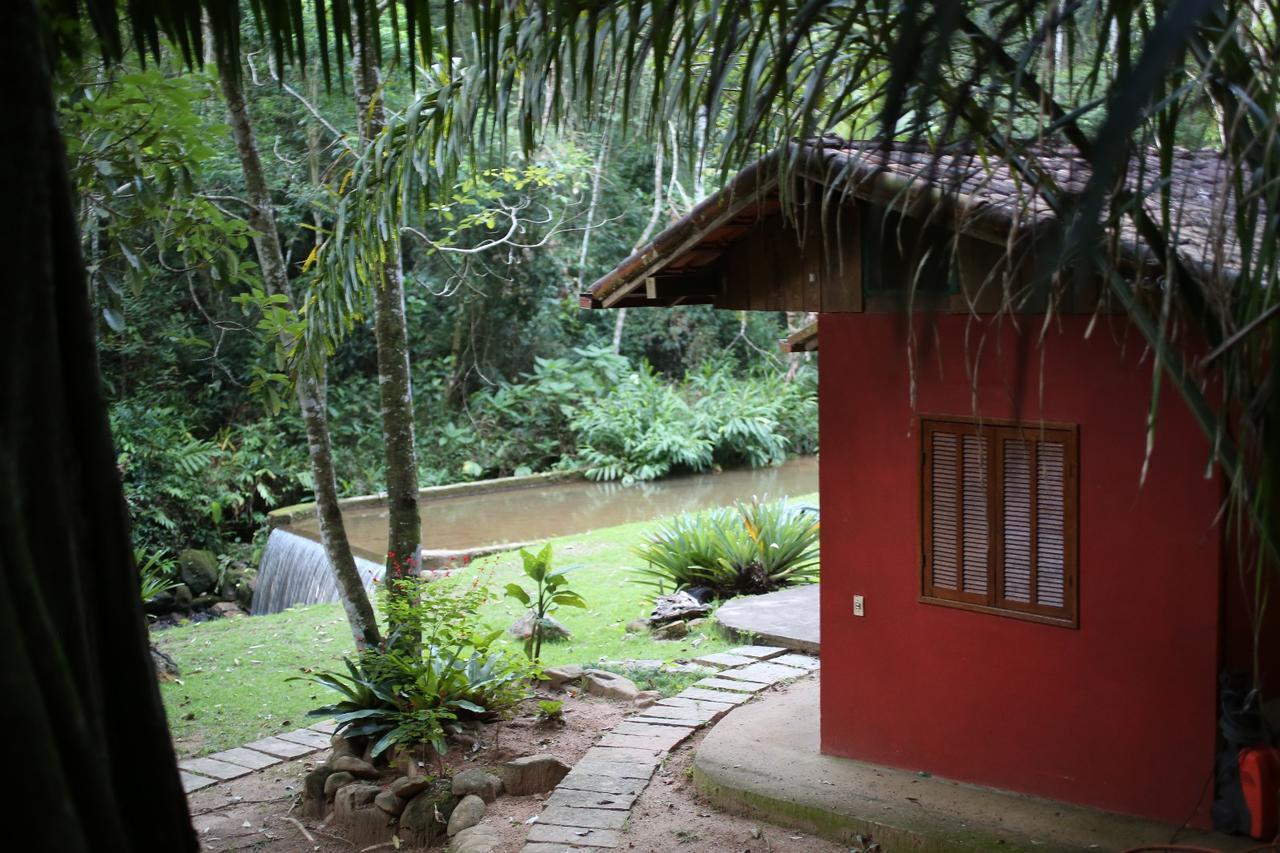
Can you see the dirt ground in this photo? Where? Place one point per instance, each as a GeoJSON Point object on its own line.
{"type": "Point", "coordinates": [260, 811]}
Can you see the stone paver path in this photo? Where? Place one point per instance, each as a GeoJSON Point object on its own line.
{"type": "Point", "coordinates": [209, 770]}
{"type": "Point", "coordinates": [591, 805]}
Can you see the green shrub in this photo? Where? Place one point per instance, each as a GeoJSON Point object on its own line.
{"type": "Point", "coordinates": [750, 549]}
{"type": "Point", "coordinates": [460, 673]}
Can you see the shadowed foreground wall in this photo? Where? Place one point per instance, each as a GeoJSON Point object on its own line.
{"type": "Point", "coordinates": [1119, 713]}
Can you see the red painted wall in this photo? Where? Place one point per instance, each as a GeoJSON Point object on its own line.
{"type": "Point", "coordinates": [1119, 713]}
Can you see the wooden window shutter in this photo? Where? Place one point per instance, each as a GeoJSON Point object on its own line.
{"type": "Point", "coordinates": [999, 518]}
{"type": "Point", "coordinates": [957, 512]}
{"type": "Point", "coordinates": [1036, 564]}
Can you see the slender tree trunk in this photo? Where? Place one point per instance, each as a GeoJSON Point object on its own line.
{"type": "Point", "coordinates": [602, 158]}
{"type": "Point", "coordinates": [310, 389]}
{"type": "Point", "coordinates": [390, 329]}
{"type": "Point", "coordinates": [655, 214]}
{"type": "Point", "coordinates": [83, 710]}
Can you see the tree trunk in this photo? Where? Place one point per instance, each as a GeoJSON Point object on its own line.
{"type": "Point", "coordinates": [310, 389]}
{"type": "Point", "coordinates": [401, 460]}
{"type": "Point", "coordinates": [83, 712]}
{"type": "Point", "coordinates": [655, 214]}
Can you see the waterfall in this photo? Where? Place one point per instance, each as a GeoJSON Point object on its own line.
{"type": "Point", "coordinates": [295, 570]}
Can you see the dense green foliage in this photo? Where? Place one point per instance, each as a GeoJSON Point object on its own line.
{"type": "Point", "coordinates": [744, 550]}
{"type": "Point", "coordinates": [393, 697]}
{"type": "Point", "coordinates": [509, 375]}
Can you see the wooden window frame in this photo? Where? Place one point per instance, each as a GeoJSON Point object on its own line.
{"type": "Point", "coordinates": [993, 601]}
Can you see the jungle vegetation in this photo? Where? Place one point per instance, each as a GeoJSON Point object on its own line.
{"type": "Point", "coordinates": [728, 79]}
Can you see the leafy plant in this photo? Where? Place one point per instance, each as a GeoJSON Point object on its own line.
{"type": "Point", "coordinates": [550, 593]}
{"type": "Point", "coordinates": [459, 675]}
{"type": "Point", "coordinates": [747, 550]}
{"type": "Point", "coordinates": [155, 572]}
{"type": "Point", "coordinates": [550, 711]}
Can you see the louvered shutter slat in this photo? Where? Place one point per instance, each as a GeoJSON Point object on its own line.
{"type": "Point", "coordinates": [976, 525]}
{"type": "Point", "coordinates": [944, 559]}
{"type": "Point", "coordinates": [1016, 521]}
{"type": "Point", "coordinates": [1051, 474]}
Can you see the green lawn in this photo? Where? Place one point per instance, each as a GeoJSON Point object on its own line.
{"type": "Point", "coordinates": [233, 687]}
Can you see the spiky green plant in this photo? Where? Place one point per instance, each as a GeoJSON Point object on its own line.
{"type": "Point", "coordinates": [749, 549]}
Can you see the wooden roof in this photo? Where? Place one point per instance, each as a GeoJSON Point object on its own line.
{"type": "Point", "coordinates": [802, 340]}
{"type": "Point", "coordinates": [965, 192]}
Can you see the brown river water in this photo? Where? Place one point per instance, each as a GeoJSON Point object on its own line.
{"type": "Point", "coordinates": [294, 569]}
{"type": "Point", "coordinates": [564, 508]}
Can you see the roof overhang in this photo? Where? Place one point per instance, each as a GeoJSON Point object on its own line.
{"type": "Point", "coordinates": [962, 192]}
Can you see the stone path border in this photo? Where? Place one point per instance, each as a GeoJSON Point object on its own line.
{"type": "Point", "coordinates": [592, 804]}
{"type": "Point", "coordinates": [240, 761]}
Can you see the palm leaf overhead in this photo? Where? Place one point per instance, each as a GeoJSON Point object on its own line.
{"type": "Point", "coordinates": [1106, 81]}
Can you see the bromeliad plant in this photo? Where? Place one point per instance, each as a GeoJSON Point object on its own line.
{"type": "Point", "coordinates": [458, 676]}
{"type": "Point", "coordinates": [747, 550]}
{"type": "Point", "coordinates": [551, 591]}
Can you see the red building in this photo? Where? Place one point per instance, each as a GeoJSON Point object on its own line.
{"type": "Point", "coordinates": [1037, 614]}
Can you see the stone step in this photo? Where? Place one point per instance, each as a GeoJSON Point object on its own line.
{"type": "Point", "coordinates": [194, 781]}
{"type": "Point", "coordinates": [586, 818]}
{"type": "Point", "coordinates": [719, 683]}
{"type": "Point", "coordinates": [762, 673]}
{"type": "Point", "coordinates": [675, 723]}
{"type": "Point", "coordinates": [280, 748]}
{"type": "Point", "coordinates": [758, 652]}
{"type": "Point", "coordinates": [325, 727]}
{"type": "Point", "coordinates": [590, 799]}
{"type": "Point", "coordinates": [576, 836]}
{"type": "Point", "coordinates": [723, 660]}
{"type": "Point", "coordinates": [306, 737]}
{"type": "Point", "coordinates": [250, 758]}
{"type": "Point", "coordinates": [654, 745]}
{"type": "Point", "coordinates": [700, 704]}
{"type": "Point", "coordinates": [215, 768]}
{"type": "Point", "coordinates": [805, 662]}
{"type": "Point", "coordinates": [600, 784]}
{"type": "Point", "coordinates": [631, 727]}
{"type": "Point", "coordinates": [721, 696]}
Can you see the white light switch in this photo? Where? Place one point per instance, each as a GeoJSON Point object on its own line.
{"type": "Point", "coordinates": [858, 609]}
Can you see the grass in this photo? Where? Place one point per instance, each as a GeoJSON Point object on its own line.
{"type": "Point", "coordinates": [233, 686]}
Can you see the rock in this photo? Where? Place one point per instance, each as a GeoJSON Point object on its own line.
{"type": "Point", "coordinates": [389, 803]}
{"type": "Point", "coordinates": [466, 814]}
{"type": "Point", "coordinates": [637, 626]}
{"type": "Point", "coordinates": [425, 818]}
{"type": "Point", "coordinates": [671, 631]}
{"type": "Point", "coordinates": [408, 787]}
{"type": "Point", "coordinates": [232, 580]}
{"type": "Point", "coordinates": [355, 766]}
{"type": "Point", "coordinates": [533, 774]}
{"type": "Point", "coordinates": [182, 597]}
{"type": "Point", "coordinates": [245, 588]}
{"type": "Point", "coordinates": [198, 570]}
{"type": "Point", "coordinates": [351, 797]}
{"type": "Point", "coordinates": [477, 839]}
{"type": "Point", "coordinates": [679, 605]}
{"type": "Point", "coordinates": [227, 608]}
{"type": "Point", "coordinates": [552, 631]}
{"type": "Point", "coordinates": [599, 682]}
{"type": "Point", "coordinates": [337, 780]}
{"type": "Point", "coordinates": [647, 698]}
{"type": "Point", "coordinates": [476, 782]}
{"type": "Point", "coordinates": [697, 623]}
{"type": "Point", "coordinates": [558, 676]}
{"type": "Point", "coordinates": [701, 594]}
{"type": "Point", "coordinates": [343, 747]}
{"type": "Point", "coordinates": [314, 795]}
{"type": "Point", "coordinates": [204, 602]}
